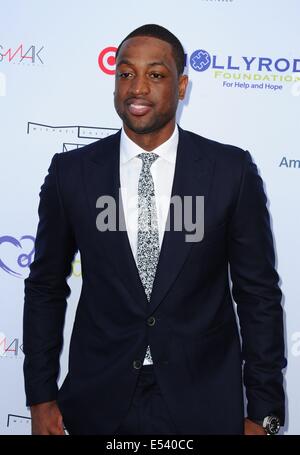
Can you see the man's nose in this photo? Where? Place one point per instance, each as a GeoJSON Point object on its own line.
{"type": "Point", "coordinates": [139, 86]}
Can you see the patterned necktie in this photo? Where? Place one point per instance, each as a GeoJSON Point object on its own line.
{"type": "Point", "coordinates": [147, 236]}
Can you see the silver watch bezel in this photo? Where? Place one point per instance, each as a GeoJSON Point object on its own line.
{"type": "Point", "coordinates": [268, 423]}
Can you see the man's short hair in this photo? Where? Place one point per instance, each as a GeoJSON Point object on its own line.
{"type": "Point", "coordinates": [157, 31]}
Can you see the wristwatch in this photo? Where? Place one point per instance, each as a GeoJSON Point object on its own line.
{"type": "Point", "coordinates": [270, 423]}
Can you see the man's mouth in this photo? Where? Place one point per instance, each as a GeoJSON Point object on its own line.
{"type": "Point", "coordinates": [139, 107]}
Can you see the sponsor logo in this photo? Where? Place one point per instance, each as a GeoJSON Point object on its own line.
{"type": "Point", "coordinates": [14, 420]}
{"type": "Point", "coordinates": [290, 164]}
{"type": "Point", "coordinates": [18, 254]}
{"type": "Point", "coordinates": [10, 347]}
{"type": "Point", "coordinates": [248, 72]}
{"type": "Point", "coordinates": [243, 63]}
{"type": "Point", "coordinates": [17, 264]}
{"type": "Point", "coordinates": [71, 133]}
{"type": "Point", "coordinates": [21, 54]}
{"type": "Point", "coordinates": [21, 424]}
{"type": "Point", "coordinates": [107, 60]}
{"type": "Point", "coordinates": [200, 60]}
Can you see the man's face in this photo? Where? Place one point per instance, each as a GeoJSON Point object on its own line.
{"type": "Point", "coordinates": [147, 85]}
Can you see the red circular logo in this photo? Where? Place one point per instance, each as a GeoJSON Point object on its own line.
{"type": "Point", "coordinates": [107, 60]}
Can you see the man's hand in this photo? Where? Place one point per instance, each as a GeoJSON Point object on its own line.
{"type": "Point", "coordinates": [253, 429]}
{"type": "Point", "coordinates": [46, 419]}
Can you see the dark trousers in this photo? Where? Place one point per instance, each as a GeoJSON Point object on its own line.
{"type": "Point", "coordinates": [148, 413]}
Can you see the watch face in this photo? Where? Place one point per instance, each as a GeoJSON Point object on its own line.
{"type": "Point", "coordinates": [272, 425]}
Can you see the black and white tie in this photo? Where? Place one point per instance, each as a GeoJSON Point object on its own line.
{"type": "Point", "coordinates": [147, 235]}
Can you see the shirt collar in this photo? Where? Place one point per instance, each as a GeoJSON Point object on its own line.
{"type": "Point", "coordinates": [167, 150]}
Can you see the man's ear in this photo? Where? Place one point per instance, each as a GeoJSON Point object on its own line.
{"type": "Point", "coordinates": [183, 83]}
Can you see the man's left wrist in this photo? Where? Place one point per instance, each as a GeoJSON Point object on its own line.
{"type": "Point", "coordinates": [271, 424]}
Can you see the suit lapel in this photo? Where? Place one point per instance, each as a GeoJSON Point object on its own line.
{"type": "Point", "coordinates": [102, 176]}
{"type": "Point", "coordinates": [193, 176]}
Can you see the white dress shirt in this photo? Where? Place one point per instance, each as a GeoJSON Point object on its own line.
{"type": "Point", "coordinates": [162, 171]}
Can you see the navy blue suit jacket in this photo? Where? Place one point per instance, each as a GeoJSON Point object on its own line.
{"type": "Point", "coordinates": [195, 343]}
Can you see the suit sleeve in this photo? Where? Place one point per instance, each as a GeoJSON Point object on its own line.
{"type": "Point", "coordinates": [256, 292]}
{"type": "Point", "coordinates": [46, 291]}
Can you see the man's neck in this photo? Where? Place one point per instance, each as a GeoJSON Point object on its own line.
{"type": "Point", "coordinates": [150, 141]}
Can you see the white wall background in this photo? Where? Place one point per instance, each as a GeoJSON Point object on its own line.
{"type": "Point", "coordinates": [54, 79]}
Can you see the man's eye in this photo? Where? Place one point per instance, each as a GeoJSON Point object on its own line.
{"type": "Point", "coordinates": [125, 75]}
{"type": "Point", "coordinates": [156, 76]}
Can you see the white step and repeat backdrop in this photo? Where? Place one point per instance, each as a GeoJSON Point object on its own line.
{"type": "Point", "coordinates": [56, 94]}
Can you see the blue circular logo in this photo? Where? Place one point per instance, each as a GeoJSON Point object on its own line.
{"type": "Point", "coordinates": [200, 60]}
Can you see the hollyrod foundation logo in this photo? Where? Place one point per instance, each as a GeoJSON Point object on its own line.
{"type": "Point", "coordinates": [200, 60]}
{"type": "Point", "coordinates": [246, 72]}
{"type": "Point", "coordinates": [22, 54]}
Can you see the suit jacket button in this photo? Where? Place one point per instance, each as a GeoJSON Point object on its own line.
{"type": "Point", "coordinates": [151, 321]}
{"type": "Point", "coordinates": [137, 364]}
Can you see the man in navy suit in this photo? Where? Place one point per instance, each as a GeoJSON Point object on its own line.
{"type": "Point", "coordinates": [156, 346]}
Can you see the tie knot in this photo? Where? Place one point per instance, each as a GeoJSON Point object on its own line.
{"type": "Point", "coordinates": [148, 158]}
